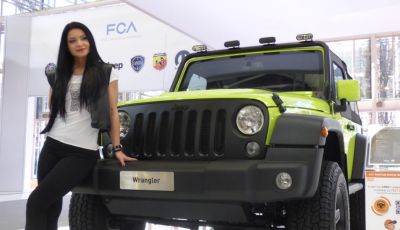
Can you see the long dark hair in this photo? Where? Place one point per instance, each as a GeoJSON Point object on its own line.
{"type": "Point", "coordinates": [93, 81]}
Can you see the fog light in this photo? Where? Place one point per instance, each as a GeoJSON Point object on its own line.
{"type": "Point", "coordinates": [284, 180]}
{"type": "Point", "coordinates": [253, 149]}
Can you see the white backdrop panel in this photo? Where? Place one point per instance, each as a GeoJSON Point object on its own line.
{"type": "Point", "coordinates": [121, 32]}
{"type": "Point", "coordinates": [215, 22]}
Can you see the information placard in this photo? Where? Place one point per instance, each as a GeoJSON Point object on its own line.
{"type": "Point", "coordinates": [382, 201]}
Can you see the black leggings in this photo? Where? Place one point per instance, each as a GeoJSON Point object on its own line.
{"type": "Point", "coordinates": [61, 167]}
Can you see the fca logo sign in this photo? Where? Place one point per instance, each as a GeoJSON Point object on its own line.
{"type": "Point", "coordinates": [120, 28]}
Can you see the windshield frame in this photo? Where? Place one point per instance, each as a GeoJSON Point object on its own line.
{"type": "Point", "coordinates": [267, 50]}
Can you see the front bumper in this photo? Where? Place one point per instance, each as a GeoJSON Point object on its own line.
{"type": "Point", "coordinates": [214, 191]}
{"type": "Point", "coordinates": [251, 181]}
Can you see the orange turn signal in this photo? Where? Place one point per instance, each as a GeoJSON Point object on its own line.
{"type": "Point", "coordinates": [324, 131]}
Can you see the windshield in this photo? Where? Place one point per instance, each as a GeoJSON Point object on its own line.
{"type": "Point", "coordinates": [276, 71]}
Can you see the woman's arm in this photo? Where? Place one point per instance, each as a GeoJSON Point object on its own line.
{"type": "Point", "coordinates": [114, 132]}
{"type": "Point", "coordinates": [49, 98]}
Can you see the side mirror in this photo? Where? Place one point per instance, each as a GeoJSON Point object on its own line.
{"type": "Point", "coordinates": [348, 90]}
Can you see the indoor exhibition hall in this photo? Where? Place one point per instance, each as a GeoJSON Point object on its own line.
{"type": "Point", "coordinates": [199, 115]}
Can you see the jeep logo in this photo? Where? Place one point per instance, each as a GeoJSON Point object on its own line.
{"type": "Point", "coordinates": [121, 28]}
{"type": "Point", "coordinates": [180, 107]}
{"type": "Point", "coordinates": [118, 66]}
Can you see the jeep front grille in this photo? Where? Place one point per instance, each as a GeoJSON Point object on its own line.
{"type": "Point", "coordinates": [189, 129]}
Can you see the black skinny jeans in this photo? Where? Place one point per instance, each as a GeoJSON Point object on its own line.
{"type": "Point", "coordinates": [61, 167]}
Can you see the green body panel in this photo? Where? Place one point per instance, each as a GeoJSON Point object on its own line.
{"type": "Point", "coordinates": [294, 102]}
{"type": "Point", "coordinates": [349, 140]}
{"type": "Point", "coordinates": [350, 155]}
{"type": "Point", "coordinates": [302, 102]}
{"type": "Point", "coordinates": [349, 90]}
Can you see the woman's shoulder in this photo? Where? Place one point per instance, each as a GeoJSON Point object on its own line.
{"type": "Point", "coordinates": [107, 67]}
{"type": "Point", "coordinates": [102, 67]}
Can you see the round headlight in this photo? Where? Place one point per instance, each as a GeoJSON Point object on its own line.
{"type": "Point", "coordinates": [124, 123]}
{"type": "Point", "coordinates": [250, 120]}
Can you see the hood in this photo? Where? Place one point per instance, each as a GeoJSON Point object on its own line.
{"type": "Point", "coordinates": [299, 100]}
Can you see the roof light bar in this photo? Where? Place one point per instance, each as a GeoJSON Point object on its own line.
{"type": "Point", "coordinates": [199, 48]}
{"type": "Point", "coordinates": [232, 44]}
{"type": "Point", "coordinates": [304, 37]}
{"type": "Point", "coordinates": [267, 40]}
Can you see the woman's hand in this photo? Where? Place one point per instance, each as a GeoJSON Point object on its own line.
{"type": "Point", "coordinates": [114, 118]}
{"type": "Point", "coordinates": [122, 158]}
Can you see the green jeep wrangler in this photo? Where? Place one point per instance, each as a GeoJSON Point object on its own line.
{"type": "Point", "coordinates": [262, 137]}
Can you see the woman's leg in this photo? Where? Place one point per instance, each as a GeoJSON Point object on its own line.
{"type": "Point", "coordinates": [36, 218]}
{"type": "Point", "coordinates": [53, 213]}
{"type": "Point", "coordinates": [62, 179]}
{"type": "Point", "coordinates": [44, 203]}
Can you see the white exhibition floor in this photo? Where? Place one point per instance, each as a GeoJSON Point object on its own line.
{"type": "Point", "coordinates": [12, 209]}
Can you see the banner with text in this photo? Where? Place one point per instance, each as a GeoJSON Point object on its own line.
{"type": "Point", "coordinates": [145, 51]}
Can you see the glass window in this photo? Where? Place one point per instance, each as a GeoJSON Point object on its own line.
{"type": "Point", "coordinates": [197, 83]}
{"type": "Point", "coordinates": [121, 97]}
{"type": "Point", "coordinates": [8, 9]}
{"type": "Point", "coordinates": [362, 66]}
{"type": "Point", "coordinates": [344, 49]}
{"type": "Point", "coordinates": [283, 71]}
{"type": "Point", "coordinates": [61, 3]}
{"type": "Point", "coordinates": [357, 55]}
{"type": "Point", "coordinates": [389, 118]}
{"type": "Point", "coordinates": [337, 73]}
{"type": "Point", "coordinates": [366, 118]}
{"type": "Point", "coordinates": [41, 118]}
{"type": "Point", "coordinates": [50, 3]}
{"type": "Point", "coordinates": [385, 67]}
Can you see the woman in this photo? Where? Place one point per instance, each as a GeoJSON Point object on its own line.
{"type": "Point", "coordinates": [84, 88]}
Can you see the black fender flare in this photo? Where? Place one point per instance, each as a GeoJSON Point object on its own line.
{"type": "Point", "coordinates": [360, 154]}
{"type": "Point", "coordinates": [300, 129]}
{"type": "Point", "coordinates": [297, 137]}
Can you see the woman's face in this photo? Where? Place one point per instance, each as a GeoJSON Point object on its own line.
{"type": "Point", "coordinates": [78, 44]}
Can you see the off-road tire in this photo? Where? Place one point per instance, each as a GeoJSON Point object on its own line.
{"type": "Point", "coordinates": [87, 212]}
{"type": "Point", "coordinates": [322, 211]}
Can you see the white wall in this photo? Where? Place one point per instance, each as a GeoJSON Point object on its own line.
{"type": "Point", "coordinates": [14, 104]}
{"type": "Point", "coordinates": [214, 22]}
{"type": "Point", "coordinates": [124, 33]}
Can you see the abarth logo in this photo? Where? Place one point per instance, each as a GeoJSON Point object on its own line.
{"type": "Point", "coordinates": [137, 63]}
{"type": "Point", "coordinates": [159, 61]}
